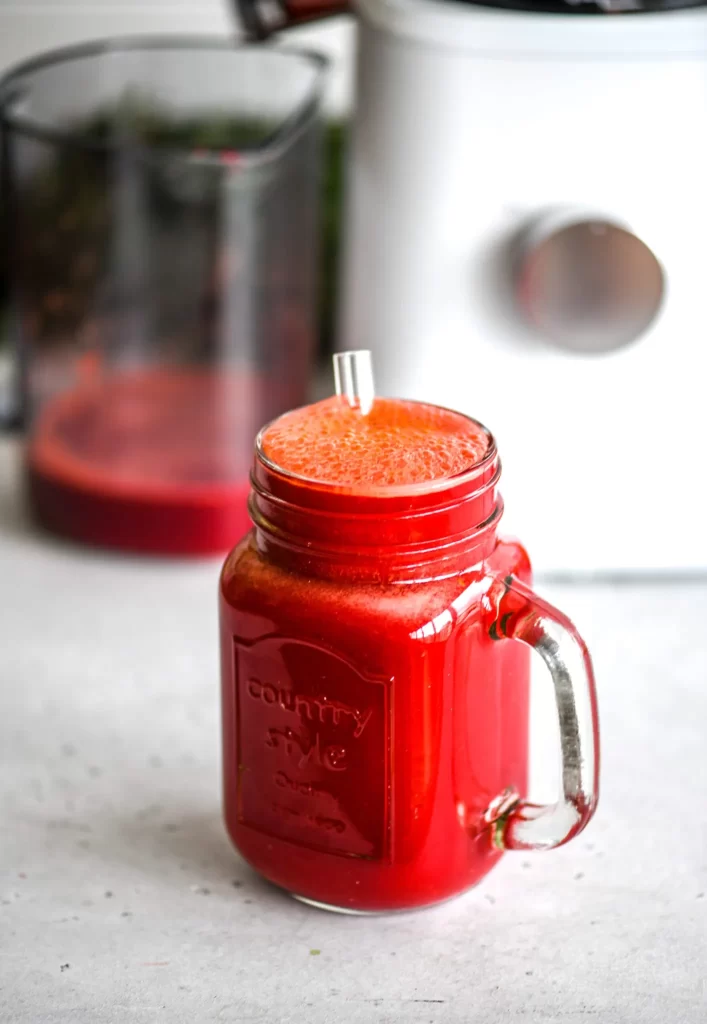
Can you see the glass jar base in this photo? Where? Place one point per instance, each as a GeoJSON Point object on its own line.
{"type": "Point", "coordinates": [350, 912]}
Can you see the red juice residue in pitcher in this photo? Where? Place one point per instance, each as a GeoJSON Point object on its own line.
{"type": "Point", "coordinates": [368, 717]}
{"type": "Point", "coordinates": [154, 461]}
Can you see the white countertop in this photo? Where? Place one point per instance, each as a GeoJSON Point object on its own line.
{"type": "Point", "coordinates": [122, 901]}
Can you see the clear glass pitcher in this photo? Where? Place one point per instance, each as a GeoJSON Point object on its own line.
{"type": "Point", "coordinates": [160, 231]}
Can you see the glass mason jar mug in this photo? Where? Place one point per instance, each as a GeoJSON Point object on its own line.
{"type": "Point", "coordinates": [376, 641]}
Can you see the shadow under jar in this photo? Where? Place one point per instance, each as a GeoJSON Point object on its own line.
{"type": "Point", "coordinates": [375, 667]}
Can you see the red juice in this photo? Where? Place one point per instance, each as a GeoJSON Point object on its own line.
{"type": "Point", "coordinates": [152, 461]}
{"type": "Point", "coordinates": [370, 717]}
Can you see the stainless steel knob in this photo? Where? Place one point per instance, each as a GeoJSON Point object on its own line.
{"type": "Point", "coordinates": [586, 283]}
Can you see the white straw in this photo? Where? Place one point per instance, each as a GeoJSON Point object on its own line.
{"type": "Point", "coordinates": [353, 378]}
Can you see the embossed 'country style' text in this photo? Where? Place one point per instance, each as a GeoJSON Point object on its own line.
{"type": "Point", "coordinates": [316, 709]}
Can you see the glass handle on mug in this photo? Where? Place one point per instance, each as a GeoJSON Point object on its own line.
{"type": "Point", "coordinates": [519, 614]}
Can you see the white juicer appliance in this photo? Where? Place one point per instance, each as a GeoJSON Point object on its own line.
{"type": "Point", "coordinates": [527, 203]}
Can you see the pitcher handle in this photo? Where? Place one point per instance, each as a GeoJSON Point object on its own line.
{"type": "Point", "coordinates": [264, 18]}
{"type": "Point", "coordinates": [519, 614]}
{"type": "Point", "coordinates": [12, 404]}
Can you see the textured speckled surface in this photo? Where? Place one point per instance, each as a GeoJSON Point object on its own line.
{"type": "Point", "coordinates": [121, 900]}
